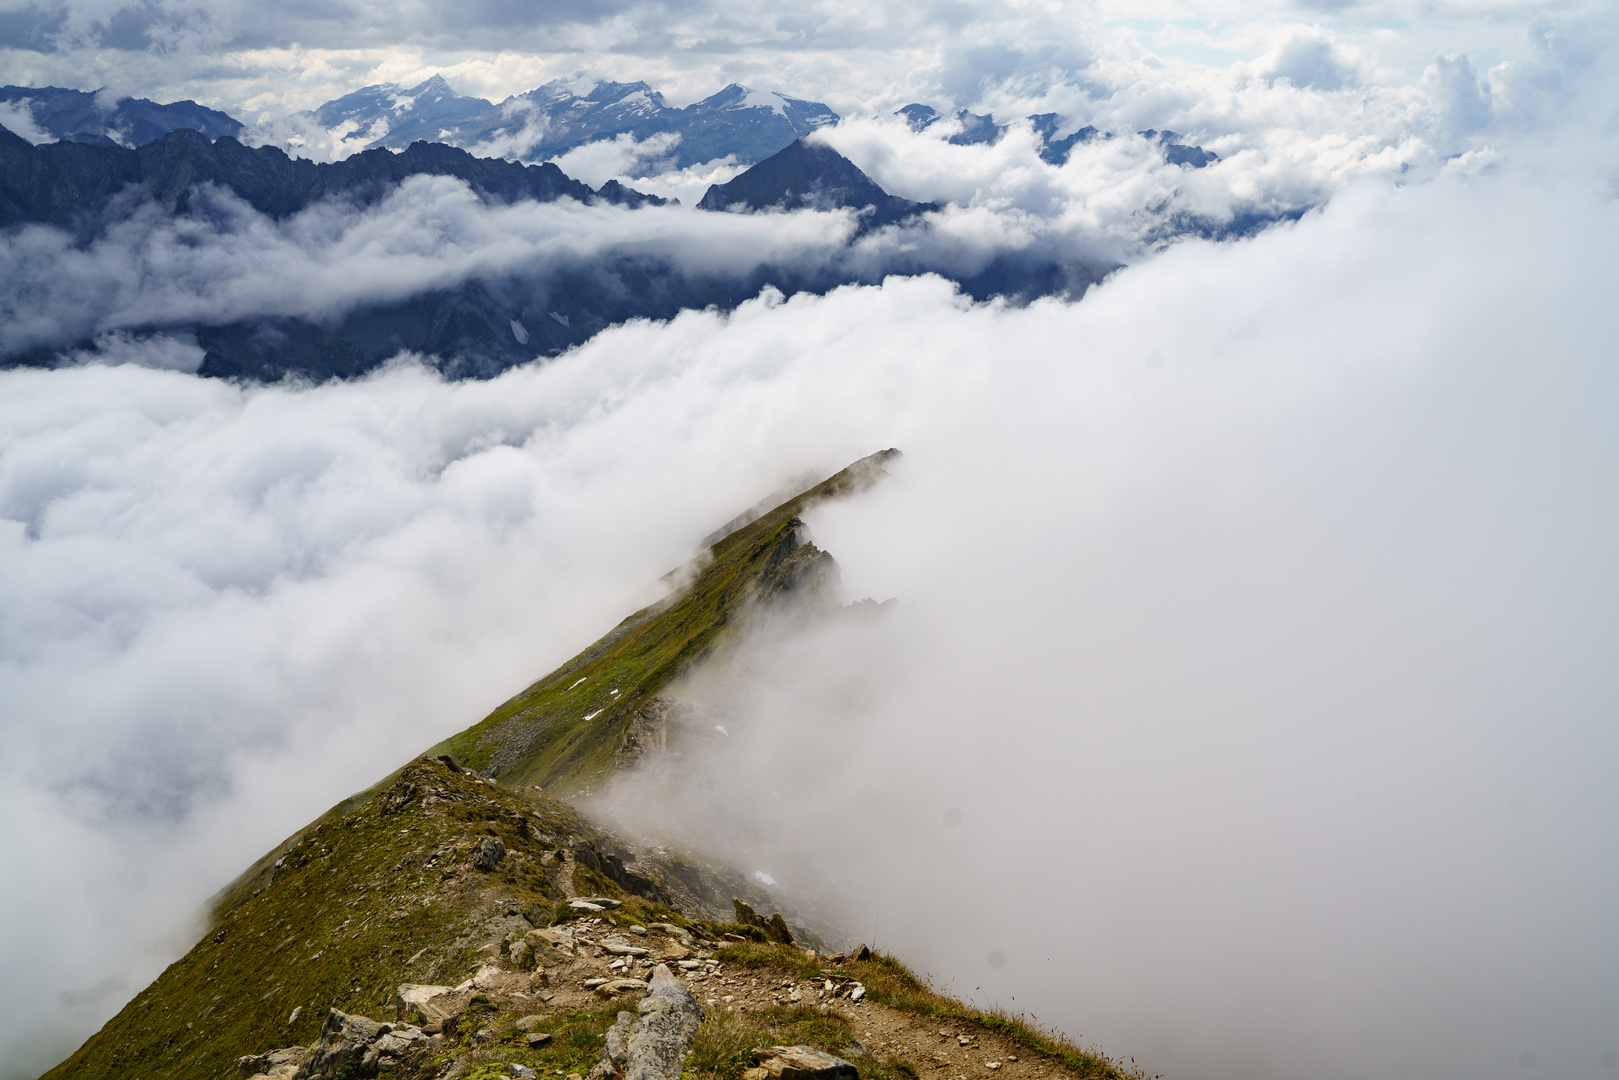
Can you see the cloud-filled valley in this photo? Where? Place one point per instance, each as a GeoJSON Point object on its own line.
{"type": "Point", "coordinates": [1256, 589]}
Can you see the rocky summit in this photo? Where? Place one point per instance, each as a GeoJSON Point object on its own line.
{"type": "Point", "coordinates": [460, 920]}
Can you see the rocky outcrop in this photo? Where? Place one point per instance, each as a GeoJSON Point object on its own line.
{"type": "Point", "coordinates": [350, 1048]}
{"type": "Point", "coordinates": [775, 927]}
{"type": "Point", "coordinates": [652, 1045]}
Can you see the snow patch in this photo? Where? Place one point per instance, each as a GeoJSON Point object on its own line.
{"type": "Point", "coordinates": [763, 878]}
{"type": "Point", "coordinates": [764, 99]}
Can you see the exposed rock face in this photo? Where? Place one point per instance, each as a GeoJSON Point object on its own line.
{"type": "Point", "coordinates": [356, 1046]}
{"type": "Point", "coordinates": [653, 1045]}
{"type": "Point", "coordinates": [413, 999]}
{"type": "Point", "coordinates": [350, 1048]}
{"type": "Point", "coordinates": [775, 927]}
{"type": "Point", "coordinates": [490, 852]}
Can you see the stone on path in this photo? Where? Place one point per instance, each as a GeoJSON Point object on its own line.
{"type": "Point", "coordinates": [803, 1063]}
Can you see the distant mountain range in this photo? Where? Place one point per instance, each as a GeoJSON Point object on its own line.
{"type": "Point", "coordinates": [479, 327]}
{"type": "Point", "coordinates": [981, 128]}
{"type": "Point", "coordinates": [57, 115]}
{"type": "Point", "coordinates": [547, 122]}
{"type": "Point", "coordinates": [744, 125]}
{"type": "Point", "coordinates": [72, 184]}
{"type": "Point", "coordinates": [91, 180]}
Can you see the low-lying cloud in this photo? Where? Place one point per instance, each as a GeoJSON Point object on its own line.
{"type": "Point", "coordinates": [1256, 615]}
{"type": "Point", "coordinates": [1256, 619]}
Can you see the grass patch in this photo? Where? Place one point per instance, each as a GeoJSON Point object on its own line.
{"type": "Point", "coordinates": [724, 1045]}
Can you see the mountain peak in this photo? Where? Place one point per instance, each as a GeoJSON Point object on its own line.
{"type": "Point", "coordinates": [810, 175]}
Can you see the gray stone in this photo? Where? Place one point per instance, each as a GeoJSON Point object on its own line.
{"type": "Point", "coordinates": [348, 1047]}
{"type": "Point", "coordinates": [529, 1023]}
{"type": "Point", "coordinates": [653, 1045]}
{"type": "Point", "coordinates": [276, 1065]}
{"type": "Point", "coordinates": [620, 986]}
{"type": "Point", "coordinates": [413, 999]}
{"type": "Point", "coordinates": [489, 853]}
{"type": "Point", "coordinates": [523, 1072]}
{"type": "Point", "coordinates": [803, 1063]}
{"type": "Point", "coordinates": [618, 946]}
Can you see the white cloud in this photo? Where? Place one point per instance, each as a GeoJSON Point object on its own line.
{"type": "Point", "coordinates": [1357, 514]}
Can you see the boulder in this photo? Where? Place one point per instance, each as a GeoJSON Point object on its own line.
{"type": "Point", "coordinates": [803, 1063]}
{"type": "Point", "coordinates": [355, 1047]}
{"type": "Point", "coordinates": [276, 1065]}
{"type": "Point", "coordinates": [488, 854]}
{"type": "Point", "coordinates": [599, 902]}
{"type": "Point", "coordinates": [412, 999]}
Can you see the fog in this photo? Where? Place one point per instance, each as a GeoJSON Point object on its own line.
{"type": "Point", "coordinates": [1249, 705]}
{"type": "Point", "coordinates": [1256, 611]}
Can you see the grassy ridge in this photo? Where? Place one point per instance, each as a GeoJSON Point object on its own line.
{"type": "Point", "coordinates": [569, 729]}
{"type": "Point", "coordinates": [366, 901]}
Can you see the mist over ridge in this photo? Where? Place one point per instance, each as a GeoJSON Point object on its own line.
{"type": "Point", "coordinates": [1256, 609]}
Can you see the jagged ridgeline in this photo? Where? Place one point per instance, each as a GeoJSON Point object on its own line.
{"type": "Point", "coordinates": [434, 869]}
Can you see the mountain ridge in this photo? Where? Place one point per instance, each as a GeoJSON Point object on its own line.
{"type": "Point", "coordinates": [470, 912]}
{"type": "Point", "coordinates": [86, 116]}
{"type": "Point", "coordinates": [65, 183]}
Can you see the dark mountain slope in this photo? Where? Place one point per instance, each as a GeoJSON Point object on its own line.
{"type": "Point", "coordinates": [67, 183]}
{"type": "Point", "coordinates": [813, 176]}
{"type": "Point", "coordinates": [87, 117]}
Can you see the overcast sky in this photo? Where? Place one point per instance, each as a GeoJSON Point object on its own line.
{"type": "Point", "coordinates": [1373, 448]}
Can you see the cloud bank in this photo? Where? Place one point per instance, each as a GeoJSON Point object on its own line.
{"type": "Point", "coordinates": [1256, 625]}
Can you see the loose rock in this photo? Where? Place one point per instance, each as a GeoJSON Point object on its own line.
{"type": "Point", "coordinates": [490, 851]}
{"type": "Point", "coordinates": [619, 986]}
{"type": "Point", "coordinates": [803, 1063]}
